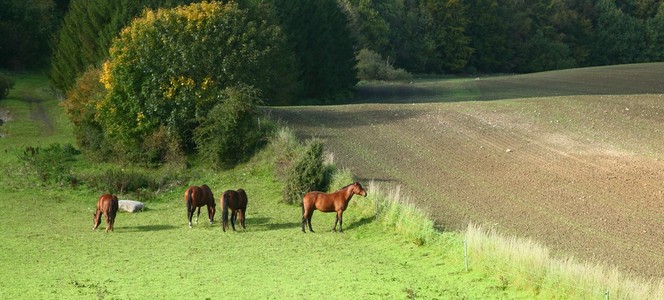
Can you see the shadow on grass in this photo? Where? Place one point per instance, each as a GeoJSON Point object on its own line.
{"type": "Point", "coordinates": [264, 224]}
{"type": "Point", "coordinates": [360, 222]}
{"type": "Point", "coordinates": [147, 228]}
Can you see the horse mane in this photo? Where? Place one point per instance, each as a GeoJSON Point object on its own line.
{"type": "Point", "coordinates": [343, 188]}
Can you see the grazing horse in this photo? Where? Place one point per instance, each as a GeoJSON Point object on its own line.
{"type": "Point", "coordinates": [197, 196]}
{"type": "Point", "coordinates": [107, 205]}
{"type": "Point", "coordinates": [237, 202]}
{"type": "Point", "coordinates": [333, 202]}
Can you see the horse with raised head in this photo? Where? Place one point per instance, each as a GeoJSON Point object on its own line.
{"type": "Point", "coordinates": [332, 202]}
{"type": "Point", "coordinates": [107, 205]}
{"type": "Point", "coordinates": [236, 201]}
{"type": "Point", "coordinates": [197, 196]}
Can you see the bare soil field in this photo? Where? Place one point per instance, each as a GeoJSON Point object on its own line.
{"type": "Point", "coordinates": [579, 171]}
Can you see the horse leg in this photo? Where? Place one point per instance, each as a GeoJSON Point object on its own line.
{"type": "Point", "coordinates": [190, 215]}
{"type": "Point", "coordinates": [233, 218]}
{"type": "Point", "coordinates": [311, 214]}
{"type": "Point", "coordinates": [96, 220]}
{"type": "Point", "coordinates": [304, 219]}
{"type": "Point", "coordinates": [340, 216]}
{"type": "Point", "coordinates": [108, 222]}
{"type": "Point", "coordinates": [210, 213]}
{"type": "Point", "coordinates": [198, 214]}
{"type": "Point", "coordinates": [242, 219]}
{"type": "Point", "coordinates": [336, 220]}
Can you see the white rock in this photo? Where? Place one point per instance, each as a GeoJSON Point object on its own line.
{"type": "Point", "coordinates": [130, 205]}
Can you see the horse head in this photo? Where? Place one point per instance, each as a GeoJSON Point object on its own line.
{"type": "Point", "coordinates": [358, 189]}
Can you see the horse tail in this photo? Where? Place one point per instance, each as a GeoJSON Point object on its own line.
{"type": "Point", "coordinates": [224, 209]}
{"type": "Point", "coordinates": [188, 200]}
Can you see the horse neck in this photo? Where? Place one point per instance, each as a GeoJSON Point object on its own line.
{"type": "Point", "coordinates": [348, 193]}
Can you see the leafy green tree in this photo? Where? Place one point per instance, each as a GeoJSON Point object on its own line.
{"type": "Point", "coordinates": [25, 30]}
{"type": "Point", "coordinates": [80, 106]}
{"type": "Point", "coordinates": [445, 40]}
{"type": "Point", "coordinates": [318, 32]}
{"type": "Point", "coordinates": [87, 32]}
{"type": "Point", "coordinates": [6, 84]}
{"type": "Point", "coordinates": [619, 38]}
{"type": "Point", "coordinates": [231, 131]}
{"type": "Point", "coordinates": [169, 68]}
{"type": "Point", "coordinates": [488, 32]}
{"type": "Point", "coordinates": [656, 36]}
{"type": "Point", "coordinates": [371, 66]}
{"type": "Point", "coordinates": [370, 29]}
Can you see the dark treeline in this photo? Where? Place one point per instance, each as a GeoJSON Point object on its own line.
{"type": "Point", "coordinates": [420, 36]}
{"type": "Point", "coordinates": [452, 36]}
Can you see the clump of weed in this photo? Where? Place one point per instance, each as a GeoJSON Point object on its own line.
{"type": "Point", "coordinates": [142, 184]}
{"type": "Point", "coordinates": [51, 164]}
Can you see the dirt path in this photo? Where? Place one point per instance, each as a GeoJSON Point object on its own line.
{"type": "Point", "coordinates": [39, 114]}
{"type": "Point", "coordinates": [584, 176]}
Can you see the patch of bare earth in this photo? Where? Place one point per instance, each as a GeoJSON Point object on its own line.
{"type": "Point", "coordinates": [572, 177]}
{"type": "Point", "coordinates": [39, 114]}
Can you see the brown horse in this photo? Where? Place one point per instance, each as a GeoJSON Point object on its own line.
{"type": "Point", "coordinates": [197, 196]}
{"type": "Point", "coordinates": [107, 205]}
{"type": "Point", "coordinates": [337, 202]}
{"type": "Point", "coordinates": [237, 202]}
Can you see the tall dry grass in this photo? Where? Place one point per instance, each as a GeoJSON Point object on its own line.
{"type": "Point", "coordinates": [517, 262]}
{"type": "Point", "coordinates": [528, 265]}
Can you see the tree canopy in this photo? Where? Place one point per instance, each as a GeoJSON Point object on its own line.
{"type": "Point", "coordinates": [170, 67]}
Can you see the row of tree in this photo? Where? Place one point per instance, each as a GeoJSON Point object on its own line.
{"type": "Point", "coordinates": [450, 36]}
{"type": "Point", "coordinates": [420, 36]}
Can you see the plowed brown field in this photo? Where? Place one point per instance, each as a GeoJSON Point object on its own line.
{"type": "Point", "coordinates": [580, 172]}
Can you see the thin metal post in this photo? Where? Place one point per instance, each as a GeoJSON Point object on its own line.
{"type": "Point", "coordinates": [465, 253]}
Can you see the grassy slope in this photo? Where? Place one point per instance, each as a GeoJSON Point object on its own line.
{"type": "Point", "coordinates": [48, 250]}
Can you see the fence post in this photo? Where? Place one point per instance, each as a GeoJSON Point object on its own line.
{"type": "Point", "coordinates": [376, 208]}
{"type": "Point", "coordinates": [465, 252]}
{"type": "Point", "coordinates": [606, 295]}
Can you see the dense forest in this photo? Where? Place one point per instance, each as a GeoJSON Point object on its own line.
{"type": "Point", "coordinates": [420, 36]}
{"type": "Point", "coordinates": [181, 67]}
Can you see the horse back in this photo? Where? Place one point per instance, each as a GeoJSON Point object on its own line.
{"type": "Point", "coordinates": [320, 201]}
{"type": "Point", "coordinates": [243, 200]}
{"type": "Point", "coordinates": [113, 206]}
{"type": "Point", "coordinates": [193, 195]}
{"type": "Point", "coordinates": [108, 204]}
{"type": "Point", "coordinates": [230, 199]}
{"type": "Point", "coordinates": [207, 195]}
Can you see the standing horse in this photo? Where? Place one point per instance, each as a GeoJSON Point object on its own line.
{"type": "Point", "coordinates": [333, 202]}
{"type": "Point", "coordinates": [237, 202]}
{"type": "Point", "coordinates": [197, 196]}
{"type": "Point", "coordinates": [107, 205]}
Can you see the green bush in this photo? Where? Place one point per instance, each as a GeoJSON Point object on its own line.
{"type": "Point", "coordinates": [80, 107]}
{"type": "Point", "coordinates": [6, 84]}
{"type": "Point", "coordinates": [307, 173]}
{"type": "Point", "coordinates": [371, 66]}
{"type": "Point", "coordinates": [231, 131]}
{"type": "Point", "coordinates": [51, 164]}
{"type": "Point", "coordinates": [143, 185]}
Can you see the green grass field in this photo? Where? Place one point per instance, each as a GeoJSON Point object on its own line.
{"type": "Point", "coordinates": [48, 250]}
